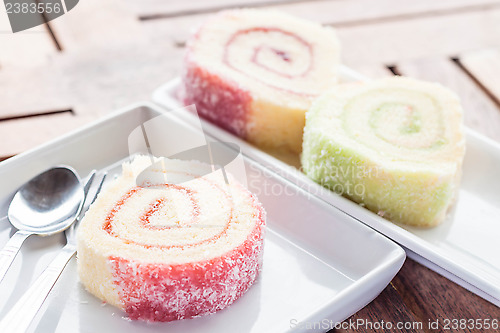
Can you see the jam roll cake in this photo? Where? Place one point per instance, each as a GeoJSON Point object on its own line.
{"type": "Point", "coordinates": [163, 251]}
{"type": "Point", "coordinates": [255, 73]}
{"type": "Point", "coordinates": [395, 145]}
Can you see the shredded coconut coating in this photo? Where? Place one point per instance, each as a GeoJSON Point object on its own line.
{"type": "Point", "coordinates": [395, 145]}
{"type": "Point", "coordinates": [170, 292]}
{"type": "Point", "coordinates": [175, 251]}
{"type": "Point", "coordinates": [256, 72]}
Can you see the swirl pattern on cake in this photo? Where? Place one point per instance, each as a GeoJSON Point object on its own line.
{"type": "Point", "coordinates": [255, 73]}
{"type": "Point", "coordinates": [396, 145]}
{"type": "Point", "coordinates": [171, 250]}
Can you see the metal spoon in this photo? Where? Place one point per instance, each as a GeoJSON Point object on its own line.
{"type": "Point", "coordinates": [20, 316]}
{"type": "Point", "coordinates": [47, 204]}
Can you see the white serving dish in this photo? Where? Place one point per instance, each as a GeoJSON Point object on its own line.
{"type": "Point", "coordinates": [465, 248]}
{"type": "Point", "coordinates": [319, 263]}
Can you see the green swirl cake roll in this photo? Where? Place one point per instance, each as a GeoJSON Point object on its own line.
{"type": "Point", "coordinates": [394, 145]}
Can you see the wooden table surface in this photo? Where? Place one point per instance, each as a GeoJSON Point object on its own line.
{"type": "Point", "coordinates": [107, 54]}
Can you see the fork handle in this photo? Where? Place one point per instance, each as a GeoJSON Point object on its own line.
{"type": "Point", "coordinates": [19, 318]}
{"type": "Point", "coordinates": [10, 250]}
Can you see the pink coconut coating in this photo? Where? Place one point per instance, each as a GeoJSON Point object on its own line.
{"type": "Point", "coordinates": [219, 100]}
{"type": "Point", "coordinates": [163, 292]}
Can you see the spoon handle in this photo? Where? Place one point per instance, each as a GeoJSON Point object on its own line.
{"type": "Point", "coordinates": [10, 250]}
{"type": "Point", "coordinates": [19, 318]}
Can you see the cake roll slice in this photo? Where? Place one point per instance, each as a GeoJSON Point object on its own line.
{"type": "Point", "coordinates": [163, 251]}
{"type": "Point", "coordinates": [394, 145]}
{"type": "Point", "coordinates": [255, 73]}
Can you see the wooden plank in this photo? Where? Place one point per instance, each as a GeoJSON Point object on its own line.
{"type": "Point", "coordinates": [480, 114]}
{"type": "Point", "coordinates": [324, 11]}
{"type": "Point", "coordinates": [27, 48]}
{"type": "Point", "coordinates": [374, 71]}
{"type": "Point", "coordinates": [346, 13]}
{"type": "Point", "coordinates": [19, 135]}
{"type": "Point", "coordinates": [432, 297]}
{"type": "Point", "coordinates": [24, 88]}
{"type": "Point", "coordinates": [109, 61]}
{"type": "Point", "coordinates": [418, 297]}
{"type": "Point", "coordinates": [98, 85]}
{"type": "Point", "coordinates": [169, 8]}
{"type": "Point", "coordinates": [388, 307]}
{"type": "Point", "coordinates": [87, 82]}
{"type": "Point", "coordinates": [32, 90]}
{"type": "Point", "coordinates": [99, 70]}
{"type": "Point", "coordinates": [484, 66]}
{"type": "Point", "coordinates": [393, 41]}
{"type": "Point", "coordinates": [384, 41]}
{"type": "Point", "coordinates": [93, 23]}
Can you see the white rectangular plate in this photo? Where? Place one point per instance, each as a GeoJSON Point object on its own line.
{"type": "Point", "coordinates": [319, 263]}
{"type": "Point", "coordinates": [465, 248]}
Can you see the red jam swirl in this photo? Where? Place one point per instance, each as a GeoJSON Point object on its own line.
{"type": "Point", "coordinates": [155, 206]}
{"type": "Point", "coordinates": [283, 55]}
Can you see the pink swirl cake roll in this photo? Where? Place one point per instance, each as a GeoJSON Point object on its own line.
{"type": "Point", "coordinates": [255, 73]}
{"type": "Point", "coordinates": [167, 251]}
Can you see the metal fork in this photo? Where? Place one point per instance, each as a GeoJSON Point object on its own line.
{"type": "Point", "coordinates": [19, 318]}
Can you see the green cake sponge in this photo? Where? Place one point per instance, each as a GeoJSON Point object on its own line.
{"type": "Point", "coordinates": [394, 145]}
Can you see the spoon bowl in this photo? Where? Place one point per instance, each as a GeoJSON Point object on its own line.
{"type": "Point", "coordinates": [47, 204]}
